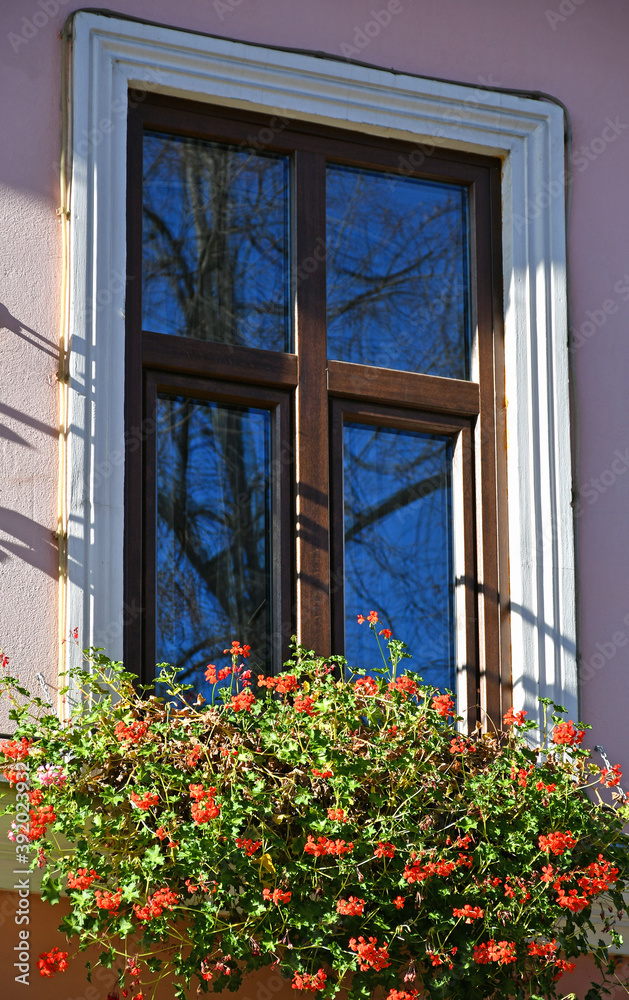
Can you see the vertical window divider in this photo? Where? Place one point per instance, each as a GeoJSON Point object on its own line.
{"type": "Point", "coordinates": [312, 509]}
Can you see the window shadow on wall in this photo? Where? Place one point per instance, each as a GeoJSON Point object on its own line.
{"type": "Point", "coordinates": [29, 541]}
{"type": "Point", "coordinates": [14, 325]}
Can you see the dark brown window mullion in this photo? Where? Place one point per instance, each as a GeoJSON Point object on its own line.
{"type": "Point", "coordinates": [311, 405]}
{"type": "Point", "coordinates": [149, 524]}
{"type": "Point", "coordinates": [490, 579]}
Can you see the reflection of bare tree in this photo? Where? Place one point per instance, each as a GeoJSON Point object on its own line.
{"type": "Point", "coordinates": [397, 272]}
{"type": "Point", "coordinates": [397, 545]}
{"type": "Point", "coordinates": [215, 243]}
{"type": "Point", "coordinates": [216, 268]}
{"type": "Point", "coordinates": [212, 508]}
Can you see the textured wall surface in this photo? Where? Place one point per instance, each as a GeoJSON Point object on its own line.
{"type": "Point", "coordinates": [573, 50]}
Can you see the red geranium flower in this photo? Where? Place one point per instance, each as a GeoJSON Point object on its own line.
{"type": "Point", "coordinates": [52, 961]}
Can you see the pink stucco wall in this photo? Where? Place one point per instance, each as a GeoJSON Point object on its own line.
{"type": "Point", "coordinates": [575, 50]}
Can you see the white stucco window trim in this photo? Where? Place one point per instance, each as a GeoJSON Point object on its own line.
{"type": "Point", "coordinates": [110, 57]}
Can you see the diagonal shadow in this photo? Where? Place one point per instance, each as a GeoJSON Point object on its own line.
{"type": "Point", "coordinates": [14, 325]}
{"type": "Point", "coordinates": [31, 542]}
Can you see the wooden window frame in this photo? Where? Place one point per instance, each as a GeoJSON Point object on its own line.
{"type": "Point", "coordinates": [108, 58]}
{"type": "Point", "coordinates": [324, 390]}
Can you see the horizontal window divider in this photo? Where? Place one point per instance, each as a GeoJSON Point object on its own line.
{"type": "Point", "coordinates": [408, 389]}
{"type": "Point", "coordinates": [200, 357]}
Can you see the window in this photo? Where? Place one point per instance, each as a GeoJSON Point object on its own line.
{"type": "Point", "coordinates": [116, 65]}
{"type": "Point", "coordinates": [311, 334]}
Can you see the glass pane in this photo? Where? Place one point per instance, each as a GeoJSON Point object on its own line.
{"type": "Point", "coordinates": [397, 272]}
{"type": "Point", "coordinates": [398, 546]}
{"type": "Point", "coordinates": [213, 536]}
{"type": "Point", "coordinates": [215, 243]}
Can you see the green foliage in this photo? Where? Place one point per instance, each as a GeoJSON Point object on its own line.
{"type": "Point", "coordinates": [341, 829]}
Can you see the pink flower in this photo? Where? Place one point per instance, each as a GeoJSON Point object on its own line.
{"type": "Point", "coordinates": [51, 774]}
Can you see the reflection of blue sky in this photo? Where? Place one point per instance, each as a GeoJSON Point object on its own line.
{"type": "Point", "coordinates": [401, 564]}
{"type": "Point", "coordinates": [213, 473]}
{"type": "Point", "coordinates": [397, 272]}
{"type": "Point", "coordinates": [215, 242]}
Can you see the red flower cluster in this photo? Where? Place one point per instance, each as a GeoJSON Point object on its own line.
{"type": "Point", "coordinates": [461, 746]}
{"type": "Point", "coordinates": [542, 950]}
{"type": "Point", "coordinates": [469, 912]}
{"type": "Point", "coordinates": [611, 777]}
{"type": "Point", "coordinates": [202, 886]}
{"type": "Point", "coordinates": [338, 815]}
{"type": "Point", "coordinates": [213, 676]}
{"type": "Point", "coordinates": [385, 849]}
{"type": "Point", "coordinates": [511, 892]}
{"type": "Point", "coordinates": [418, 872]}
{"type": "Point", "coordinates": [405, 685]}
{"type": "Point", "coordinates": [370, 956]}
{"type": "Point", "coordinates": [16, 749]}
{"type": "Point", "coordinates": [320, 774]}
{"type": "Point", "coordinates": [284, 684]}
{"type": "Point", "coordinates": [512, 718]}
{"type": "Point", "coordinates": [237, 650]}
{"type": "Point", "coordinates": [399, 902]}
{"type": "Point", "coordinates": [372, 618]}
{"type": "Point", "coordinates": [568, 734]}
{"type": "Point", "coordinates": [305, 705]}
{"type": "Point", "coordinates": [557, 842]}
{"type": "Point", "coordinates": [541, 787]}
{"type": "Point", "coordinates": [248, 846]}
{"type": "Point", "coordinates": [52, 961]}
{"type": "Point", "coordinates": [193, 756]}
{"type": "Point", "coordinates": [204, 807]}
{"type": "Point", "coordinates": [443, 704]}
{"type": "Point", "coordinates": [242, 702]}
{"type": "Point", "coordinates": [325, 846]}
{"type": "Point", "coordinates": [402, 995]}
{"type": "Point", "coordinates": [596, 878]}
{"type": "Point", "coordinates": [41, 816]}
{"type": "Point", "coordinates": [366, 686]}
{"type": "Point", "coordinates": [304, 981]}
{"type": "Point", "coordinates": [277, 896]}
{"type": "Point", "coordinates": [522, 774]}
{"type": "Point", "coordinates": [163, 899]}
{"type": "Point", "coordinates": [146, 801]}
{"type": "Point", "coordinates": [386, 632]}
{"type": "Point", "coordinates": [132, 733]}
{"type": "Point", "coordinates": [83, 879]}
{"type": "Point", "coordinates": [351, 907]}
{"type": "Point", "coordinates": [107, 900]}
{"type": "Point", "coordinates": [501, 952]}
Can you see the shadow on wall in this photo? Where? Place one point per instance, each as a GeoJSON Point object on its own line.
{"type": "Point", "coordinates": [13, 325]}
{"type": "Point", "coordinates": [34, 543]}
